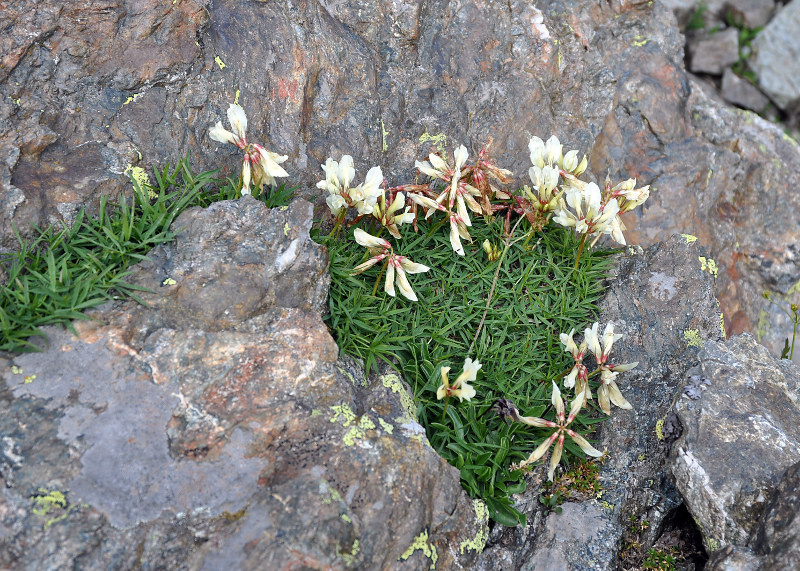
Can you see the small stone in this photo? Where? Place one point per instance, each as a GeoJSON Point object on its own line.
{"type": "Point", "coordinates": [777, 57]}
{"type": "Point", "coordinates": [750, 13]}
{"type": "Point", "coordinates": [741, 92]}
{"type": "Point", "coordinates": [713, 53]}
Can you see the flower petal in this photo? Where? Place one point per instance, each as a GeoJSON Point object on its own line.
{"type": "Point", "coordinates": [221, 134]}
{"type": "Point", "coordinates": [370, 241]}
{"type": "Point", "coordinates": [238, 121]}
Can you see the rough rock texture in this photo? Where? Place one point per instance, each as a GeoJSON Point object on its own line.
{"type": "Point", "coordinates": [662, 301]}
{"type": "Point", "coordinates": [777, 58]}
{"type": "Point", "coordinates": [713, 53]}
{"type": "Point", "coordinates": [741, 431]}
{"type": "Point", "coordinates": [779, 533]}
{"type": "Point", "coordinates": [217, 427]}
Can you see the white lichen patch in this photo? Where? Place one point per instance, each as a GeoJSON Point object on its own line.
{"type": "Point", "coordinates": [421, 544]}
{"type": "Point", "coordinates": [662, 286]}
{"type": "Point", "coordinates": [478, 542]}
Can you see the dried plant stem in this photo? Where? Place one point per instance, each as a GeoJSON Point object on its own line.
{"type": "Point", "coordinates": [494, 284]}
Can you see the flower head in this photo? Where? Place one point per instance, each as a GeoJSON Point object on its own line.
{"type": "Point", "coordinates": [393, 215]}
{"type": "Point", "coordinates": [562, 429]}
{"type": "Point", "coordinates": [338, 177]}
{"type": "Point", "coordinates": [609, 391]}
{"type": "Point", "coordinates": [258, 164]}
{"type": "Point", "coordinates": [588, 214]}
{"type": "Point", "coordinates": [460, 387]}
{"type": "Point", "coordinates": [380, 250]}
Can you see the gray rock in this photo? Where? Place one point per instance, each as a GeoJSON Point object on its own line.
{"type": "Point", "coordinates": [656, 297]}
{"type": "Point", "coordinates": [217, 427]}
{"type": "Point", "coordinates": [738, 438]}
{"type": "Point", "coordinates": [733, 558]}
{"type": "Point", "coordinates": [749, 13]}
{"type": "Point", "coordinates": [779, 535]}
{"type": "Point", "coordinates": [713, 53]}
{"type": "Point", "coordinates": [776, 59]}
{"type": "Point", "coordinates": [741, 92]}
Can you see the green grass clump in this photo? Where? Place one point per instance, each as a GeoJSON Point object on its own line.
{"type": "Point", "coordinates": [538, 295]}
{"type": "Point", "coordinates": [66, 269]}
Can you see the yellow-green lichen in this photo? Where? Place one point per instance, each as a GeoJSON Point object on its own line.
{"type": "Point", "coordinates": [346, 518]}
{"type": "Point", "coordinates": [692, 338]}
{"type": "Point", "coordinates": [358, 430]}
{"type": "Point", "coordinates": [46, 502]}
{"type": "Point", "coordinates": [439, 140]}
{"type": "Point", "coordinates": [315, 412]}
{"type": "Point", "coordinates": [17, 101]}
{"type": "Point", "coordinates": [388, 428]}
{"type": "Point", "coordinates": [168, 282]}
{"type": "Point", "coordinates": [722, 325]}
{"type": "Point", "coordinates": [713, 544]}
{"type": "Point", "coordinates": [16, 370]}
{"type": "Point", "coordinates": [236, 98]}
{"type": "Point", "coordinates": [393, 382]}
{"type": "Point", "coordinates": [329, 493]}
{"type": "Point", "coordinates": [220, 63]}
{"type": "Point", "coordinates": [478, 542]}
{"type": "Point", "coordinates": [132, 98]}
{"type": "Point", "coordinates": [708, 176]}
{"type": "Point", "coordinates": [384, 132]}
{"type": "Point", "coordinates": [349, 375]}
{"type": "Point", "coordinates": [286, 228]}
{"type": "Point", "coordinates": [641, 457]}
{"type": "Point", "coordinates": [349, 557]}
{"type": "Point", "coordinates": [607, 505]}
{"type": "Point", "coordinates": [29, 379]}
{"type": "Point", "coordinates": [639, 41]}
{"type": "Point", "coordinates": [421, 544]}
{"type": "Point", "coordinates": [660, 428]}
{"type": "Point", "coordinates": [708, 265]}
{"type": "Point", "coordinates": [139, 175]}
{"type": "Point", "coordinates": [787, 137]}
{"type": "Point", "coordinates": [689, 238]}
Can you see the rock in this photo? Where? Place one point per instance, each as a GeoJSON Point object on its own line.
{"type": "Point", "coordinates": [186, 435]}
{"type": "Point", "coordinates": [749, 13]}
{"type": "Point", "coordinates": [777, 53]}
{"type": "Point", "coordinates": [732, 558]}
{"type": "Point", "coordinates": [741, 92]}
{"type": "Point", "coordinates": [683, 10]}
{"type": "Point", "coordinates": [779, 534]}
{"type": "Point", "coordinates": [663, 304]}
{"type": "Point", "coordinates": [713, 53]}
{"type": "Point", "coordinates": [741, 431]}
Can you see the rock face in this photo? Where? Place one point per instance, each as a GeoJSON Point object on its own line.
{"type": "Point", "coordinates": [662, 301]}
{"type": "Point", "coordinates": [384, 80]}
{"type": "Point", "coordinates": [777, 51]}
{"type": "Point", "coordinates": [217, 426]}
{"type": "Point", "coordinates": [714, 53]}
{"type": "Point", "coordinates": [740, 417]}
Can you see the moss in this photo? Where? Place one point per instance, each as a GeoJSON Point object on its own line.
{"type": "Point", "coordinates": [692, 338]}
{"type": "Point", "coordinates": [392, 381]}
{"type": "Point", "coordinates": [478, 542]}
{"type": "Point", "coordinates": [421, 544]}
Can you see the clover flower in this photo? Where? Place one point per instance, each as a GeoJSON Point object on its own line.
{"type": "Point", "coordinates": [258, 164]}
{"type": "Point", "coordinates": [460, 387]}
{"type": "Point", "coordinates": [480, 175]}
{"type": "Point", "coordinates": [392, 216]}
{"type": "Point", "coordinates": [545, 182]}
{"type": "Point", "coordinates": [562, 429]}
{"type": "Point", "coordinates": [338, 176]}
{"type": "Point", "coordinates": [609, 391]}
{"type": "Point", "coordinates": [551, 154]}
{"type": "Point", "coordinates": [589, 215]}
{"type": "Point", "coordinates": [380, 250]}
{"type": "Point", "coordinates": [578, 373]}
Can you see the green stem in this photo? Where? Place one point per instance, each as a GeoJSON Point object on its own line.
{"type": "Point", "coordinates": [380, 275]}
{"type": "Point", "coordinates": [446, 403]}
{"type": "Point", "coordinates": [494, 284]}
{"type": "Point", "coordinates": [794, 335]}
{"type": "Point", "coordinates": [580, 250]}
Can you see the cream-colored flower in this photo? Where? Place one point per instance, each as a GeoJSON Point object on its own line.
{"type": "Point", "coordinates": [588, 215]}
{"type": "Point", "coordinates": [545, 182]}
{"type": "Point", "coordinates": [395, 264]}
{"type": "Point", "coordinates": [609, 391]}
{"type": "Point", "coordinates": [338, 178]}
{"type": "Point", "coordinates": [258, 165]}
{"type": "Point", "coordinates": [460, 387]}
{"type": "Point", "coordinates": [562, 429]}
{"type": "Point", "coordinates": [393, 215]}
